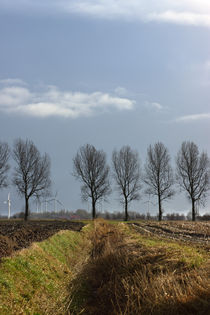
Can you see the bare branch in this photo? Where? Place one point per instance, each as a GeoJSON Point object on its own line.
{"type": "Point", "coordinates": [32, 173]}
{"type": "Point", "coordinates": [158, 174]}
{"type": "Point", "coordinates": [91, 169]}
{"type": "Point", "coordinates": [126, 172]}
{"type": "Point", "coordinates": [4, 166]}
{"type": "Point", "coordinates": [193, 173]}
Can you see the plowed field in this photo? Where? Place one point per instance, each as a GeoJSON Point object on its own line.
{"type": "Point", "coordinates": [15, 235]}
{"type": "Point", "coordinates": [197, 233]}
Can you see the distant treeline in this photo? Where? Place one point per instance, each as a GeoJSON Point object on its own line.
{"type": "Point", "coordinates": [82, 214]}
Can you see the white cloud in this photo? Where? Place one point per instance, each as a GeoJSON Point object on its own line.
{"type": "Point", "coordinates": [154, 105]}
{"type": "Point", "coordinates": [157, 106]}
{"type": "Point", "coordinates": [185, 18]}
{"type": "Point", "coordinates": [13, 96]}
{"type": "Point", "coordinates": [194, 117]}
{"type": "Point", "coordinates": [186, 12]}
{"type": "Point", "coordinates": [54, 102]}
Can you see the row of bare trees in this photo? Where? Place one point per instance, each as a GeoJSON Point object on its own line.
{"type": "Point", "coordinates": [32, 171]}
{"type": "Point", "coordinates": [192, 174]}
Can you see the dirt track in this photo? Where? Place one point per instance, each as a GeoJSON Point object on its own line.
{"type": "Point", "coordinates": [193, 232]}
{"type": "Point", "coordinates": [15, 235]}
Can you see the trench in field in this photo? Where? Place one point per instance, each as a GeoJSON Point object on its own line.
{"type": "Point", "coordinates": [105, 269]}
{"type": "Point", "coordinates": [130, 274]}
{"type": "Point", "coordinates": [36, 280]}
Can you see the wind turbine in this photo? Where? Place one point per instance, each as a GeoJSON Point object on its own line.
{"type": "Point", "coordinates": [54, 199]}
{"type": "Point", "coordinates": [56, 202]}
{"type": "Point", "coordinates": [38, 205]}
{"type": "Point", "coordinates": [9, 205]}
{"type": "Point", "coordinates": [44, 208]}
{"type": "Point", "coordinates": [61, 205]}
{"type": "Point", "coordinates": [148, 204]}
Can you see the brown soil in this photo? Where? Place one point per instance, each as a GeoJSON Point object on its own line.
{"type": "Point", "coordinates": [15, 235]}
{"type": "Point", "coordinates": [197, 233]}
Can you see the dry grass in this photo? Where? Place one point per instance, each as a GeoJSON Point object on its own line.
{"type": "Point", "coordinates": [125, 276]}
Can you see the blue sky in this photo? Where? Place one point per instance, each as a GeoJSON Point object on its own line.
{"type": "Point", "coordinates": [109, 73]}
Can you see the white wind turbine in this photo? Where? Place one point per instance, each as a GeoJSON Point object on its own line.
{"type": "Point", "coordinates": [56, 202]}
{"type": "Point", "coordinates": [9, 205]}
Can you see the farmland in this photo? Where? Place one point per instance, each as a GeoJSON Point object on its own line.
{"type": "Point", "coordinates": [196, 233]}
{"type": "Point", "coordinates": [17, 234]}
{"type": "Point", "coordinates": [141, 267]}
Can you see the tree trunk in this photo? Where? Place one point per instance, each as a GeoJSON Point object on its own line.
{"type": "Point", "coordinates": [93, 209]}
{"type": "Point", "coordinates": [26, 208]}
{"type": "Point", "coordinates": [126, 209]}
{"type": "Point", "coordinates": [193, 210]}
{"type": "Point", "coordinates": [160, 209]}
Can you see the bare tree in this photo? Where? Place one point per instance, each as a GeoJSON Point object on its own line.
{"type": "Point", "coordinates": [158, 174]}
{"type": "Point", "coordinates": [126, 172]}
{"type": "Point", "coordinates": [193, 173]}
{"type": "Point", "coordinates": [4, 166]}
{"type": "Point", "coordinates": [32, 173]}
{"type": "Point", "coordinates": [91, 169]}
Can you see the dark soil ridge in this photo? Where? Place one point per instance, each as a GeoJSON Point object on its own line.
{"type": "Point", "coordinates": [173, 232]}
{"type": "Point", "coordinates": [16, 235]}
{"type": "Point", "coordinates": [191, 234]}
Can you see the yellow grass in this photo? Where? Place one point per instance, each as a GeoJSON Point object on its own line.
{"type": "Point", "coordinates": [125, 275]}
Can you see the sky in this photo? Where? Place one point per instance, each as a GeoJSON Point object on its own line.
{"type": "Point", "coordinates": [108, 73]}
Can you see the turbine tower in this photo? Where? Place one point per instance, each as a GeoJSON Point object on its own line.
{"type": "Point", "coordinates": [9, 205]}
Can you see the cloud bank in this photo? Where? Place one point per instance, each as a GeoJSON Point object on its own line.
{"type": "Point", "coordinates": [194, 117]}
{"type": "Point", "coordinates": [184, 12]}
{"type": "Point", "coordinates": [18, 99]}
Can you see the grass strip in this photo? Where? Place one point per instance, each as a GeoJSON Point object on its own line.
{"type": "Point", "coordinates": [36, 280]}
